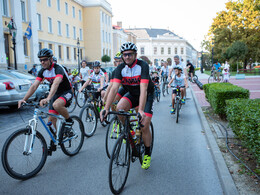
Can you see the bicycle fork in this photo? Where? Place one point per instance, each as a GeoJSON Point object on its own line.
{"type": "Point", "coordinates": [30, 137]}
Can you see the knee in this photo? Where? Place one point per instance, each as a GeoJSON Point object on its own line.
{"type": "Point", "coordinates": [56, 105]}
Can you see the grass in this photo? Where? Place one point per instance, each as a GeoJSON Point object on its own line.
{"type": "Point", "coordinates": [233, 73]}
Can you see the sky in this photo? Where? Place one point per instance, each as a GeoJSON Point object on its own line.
{"type": "Point", "coordinates": [190, 19]}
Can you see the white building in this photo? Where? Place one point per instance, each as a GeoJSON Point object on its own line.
{"type": "Point", "coordinates": [119, 37]}
{"type": "Point", "coordinates": [162, 44]}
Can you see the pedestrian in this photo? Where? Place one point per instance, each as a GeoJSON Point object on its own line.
{"type": "Point", "coordinates": [226, 75]}
{"type": "Point", "coordinates": [216, 70]}
{"type": "Point", "coordinates": [33, 71]}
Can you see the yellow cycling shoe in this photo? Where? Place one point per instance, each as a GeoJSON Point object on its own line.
{"type": "Point", "coordinates": [146, 162]}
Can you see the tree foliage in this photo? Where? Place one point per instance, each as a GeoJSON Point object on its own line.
{"type": "Point", "coordinates": [105, 58]}
{"type": "Point", "coordinates": [239, 22]}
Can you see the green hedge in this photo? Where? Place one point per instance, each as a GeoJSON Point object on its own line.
{"type": "Point", "coordinates": [244, 118]}
{"type": "Point", "coordinates": [218, 93]}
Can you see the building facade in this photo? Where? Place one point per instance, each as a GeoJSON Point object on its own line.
{"type": "Point", "coordinates": [162, 45]}
{"type": "Point", "coordinates": [69, 28]}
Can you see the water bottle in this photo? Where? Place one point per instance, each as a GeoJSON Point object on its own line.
{"type": "Point", "coordinates": [134, 136]}
{"type": "Point", "coordinates": [138, 135]}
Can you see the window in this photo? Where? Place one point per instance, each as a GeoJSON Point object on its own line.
{"type": "Point", "coordinates": [74, 32]}
{"type": "Point", "coordinates": [60, 51]}
{"type": "Point", "coordinates": [23, 11]}
{"type": "Point", "coordinates": [162, 50]}
{"type": "Point", "coordinates": [80, 34]}
{"type": "Point", "coordinates": [25, 46]}
{"type": "Point", "coordinates": [49, 25]}
{"type": "Point", "coordinates": [66, 8]}
{"type": "Point", "coordinates": [176, 50]}
{"type": "Point", "coordinates": [142, 50]}
{"type": "Point", "coordinates": [40, 46]}
{"type": "Point", "coordinates": [182, 50]}
{"type": "Point", "coordinates": [39, 21]}
{"type": "Point", "coordinates": [49, 3]}
{"type": "Point", "coordinates": [58, 5]}
{"type": "Point", "coordinates": [68, 53]}
{"type": "Point", "coordinates": [59, 28]}
{"type": "Point", "coordinates": [169, 50]}
{"type": "Point", "coordinates": [50, 46]}
{"type": "Point", "coordinates": [155, 50]}
{"type": "Point", "coordinates": [75, 53]}
{"type": "Point", "coordinates": [5, 8]}
{"type": "Point", "coordinates": [80, 15]}
{"type": "Point", "coordinates": [73, 12]}
{"type": "Point", "coordinates": [67, 30]}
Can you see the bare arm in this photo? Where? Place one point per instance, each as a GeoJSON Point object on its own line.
{"type": "Point", "coordinates": [186, 83]}
{"type": "Point", "coordinates": [142, 98]}
{"type": "Point", "coordinates": [85, 85]}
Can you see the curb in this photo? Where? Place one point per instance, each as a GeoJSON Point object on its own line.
{"type": "Point", "coordinates": [227, 183]}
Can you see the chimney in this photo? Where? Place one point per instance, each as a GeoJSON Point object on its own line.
{"type": "Point", "coordinates": [119, 24]}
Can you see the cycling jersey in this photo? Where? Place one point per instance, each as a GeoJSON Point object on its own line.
{"type": "Point", "coordinates": [179, 81]}
{"type": "Point", "coordinates": [165, 70]}
{"type": "Point", "coordinates": [191, 69]}
{"type": "Point", "coordinates": [56, 70]}
{"type": "Point", "coordinates": [96, 78]}
{"type": "Point", "coordinates": [132, 77]}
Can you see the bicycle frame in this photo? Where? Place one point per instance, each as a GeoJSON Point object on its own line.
{"type": "Point", "coordinates": [33, 125]}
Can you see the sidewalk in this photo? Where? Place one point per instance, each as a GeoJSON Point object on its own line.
{"type": "Point", "coordinates": [252, 83]}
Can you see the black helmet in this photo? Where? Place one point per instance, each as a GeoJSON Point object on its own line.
{"type": "Point", "coordinates": [128, 46]}
{"type": "Point", "coordinates": [45, 52]}
{"type": "Point", "coordinates": [96, 63]}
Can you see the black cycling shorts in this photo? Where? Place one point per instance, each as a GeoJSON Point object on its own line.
{"type": "Point", "coordinates": [121, 92]}
{"type": "Point", "coordinates": [65, 96]}
{"type": "Point", "coordinates": [174, 91]}
{"type": "Point", "coordinates": [134, 102]}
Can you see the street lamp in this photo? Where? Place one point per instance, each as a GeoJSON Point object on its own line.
{"type": "Point", "coordinates": [78, 54]}
{"type": "Point", "coordinates": [213, 50]}
{"type": "Point", "coordinates": [201, 62]}
{"type": "Point", "coordinates": [13, 31]}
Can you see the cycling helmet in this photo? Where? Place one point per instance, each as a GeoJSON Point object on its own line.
{"type": "Point", "coordinates": [128, 46]}
{"type": "Point", "coordinates": [178, 67]}
{"type": "Point", "coordinates": [96, 64]}
{"type": "Point", "coordinates": [75, 72]}
{"type": "Point", "coordinates": [118, 55]}
{"type": "Point", "coordinates": [154, 72]}
{"type": "Point", "coordinates": [54, 59]}
{"type": "Point", "coordinates": [45, 52]}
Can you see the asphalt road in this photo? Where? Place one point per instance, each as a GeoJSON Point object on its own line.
{"type": "Point", "coordinates": [181, 161]}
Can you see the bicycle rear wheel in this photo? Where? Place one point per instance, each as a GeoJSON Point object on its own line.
{"type": "Point", "coordinates": [21, 164]}
{"type": "Point", "coordinates": [81, 101]}
{"type": "Point", "coordinates": [71, 145]}
{"type": "Point", "coordinates": [113, 133]}
{"type": "Point", "coordinates": [163, 90]}
{"type": "Point", "coordinates": [119, 165]}
{"type": "Point", "coordinates": [177, 110]}
{"type": "Point", "coordinates": [211, 79]}
{"type": "Point", "coordinates": [142, 146]}
{"type": "Point", "coordinates": [158, 96]}
{"type": "Point", "coordinates": [73, 104]}
{"type": "Point", "coordinates": [89, 119]}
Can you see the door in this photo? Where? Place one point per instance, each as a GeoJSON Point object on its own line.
{"type": "Point", "coordinates": [7, 53]}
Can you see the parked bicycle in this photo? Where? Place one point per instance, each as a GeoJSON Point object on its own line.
{"type": "Point", "coordinates": [126, 149]}
{"type": "Point", "coordinates": [25, 151]}
{"type": "Point", "coordinates": [89, 114]}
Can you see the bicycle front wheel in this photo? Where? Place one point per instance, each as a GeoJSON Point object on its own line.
{"type": "Point", "coordinates": [142, 146]}
{"type": "Point", "coordinates": [89, 119]}
{"type": "Point", "coordinates": [119, 165]}
{"type": "Point", "coordinates": [80, 99]}
{"type": "Point", "coordinates": [17, 160]}
{"type": "Point", "coordinates": [163, 90]}
{"type": "Point", "coordinates": [177, 110]}
{"type": "Point", "coordinates": [211, 79]}
{"type": "Point", "coordinates": [113, 132]}
{"type": "Point", "coordinates": [73, 104]}
{"type": "Point", "coordinates": [71, 142]}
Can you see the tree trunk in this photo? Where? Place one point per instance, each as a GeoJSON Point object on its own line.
{"type": "Point", "coordinates": [245, 63]}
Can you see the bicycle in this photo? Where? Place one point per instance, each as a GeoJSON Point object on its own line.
{"type": "Point", "coordinates": [80, 97]}
{"type": "Point", "coordinates": [73, 103]}
{"type": "Point", "coordinates": [195, 77]}
{"type": "Point", "coordinates": [89, 114]}
{"type": "Point", "coordinates": [165, 85]}
{"type": "Point", "coordinates": [157, 93]}
{"type": "Point", "coordinates": [213, 78]}
{"type": "Point", "coordinates": [125, 149]}
{"type": "Point", "coordinates": [25, 151]}
{"type": "Point", "coordinates": [178, 103]}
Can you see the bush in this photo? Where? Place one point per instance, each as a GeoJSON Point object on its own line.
{"type": "Point", "coordinates": [197, 68]}
{"type": "Point", "coordinates": [218, 93]}
{"type": "Point", "coordinates": [243, 116]}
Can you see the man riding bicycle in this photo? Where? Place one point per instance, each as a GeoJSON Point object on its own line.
{"type": "Point", "coordinates": [60, 94]}
{"type": "Point", "coordinates": [133, 74]}
{"type": "Point", "coordinates": [191, 69]}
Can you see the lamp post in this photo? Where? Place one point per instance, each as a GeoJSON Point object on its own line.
{"type": "Point", "coordinates": [213, 42]}
{"type": "Point", "coordinates": [13, 31]}
{"type": "Point", "coordinates": [201, 62]}
{"type": "Point", "coordinates": [78, 54]}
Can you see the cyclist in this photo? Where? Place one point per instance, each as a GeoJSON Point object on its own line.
{"type": "Point", "coordinates": [181, 81]}
{"type": "Point", "coordinates": [191, 69]}
{"type": "Point", "coordinates": [97, 78]}
{"type": "Point", "coordinates": [156, 79]}
{"type": "Point", "coordinates": [60, 94]}
{"type": "Point", "coordinates": [216, 68]}
{"type": "Point", "coordinates": [133, 74]}
{"type": "Point", "coordinates": [164, 71]}
{"type": "Point", "coordinates": [74, 78]}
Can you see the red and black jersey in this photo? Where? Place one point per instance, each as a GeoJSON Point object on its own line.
{"type": "Point", "coordinates": [132, 77]}
{"type": "Point", "coordinates": [56, 70]}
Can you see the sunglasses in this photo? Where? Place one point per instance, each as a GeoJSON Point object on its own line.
{"type": "Point", "coordinates": [44, 59]}
{"type": "Point", "coordinates": [128, 54]}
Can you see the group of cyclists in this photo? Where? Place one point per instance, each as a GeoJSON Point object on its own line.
{"type": "Point", "coordinates": [132, 85]}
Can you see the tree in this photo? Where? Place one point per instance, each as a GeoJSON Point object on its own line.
{"type": "Point", "coordinates": [237, 51]}
{"type": "Point", "coordinates": [239, 22]}
{"type": "Point", "coordinates": [105, 58]}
